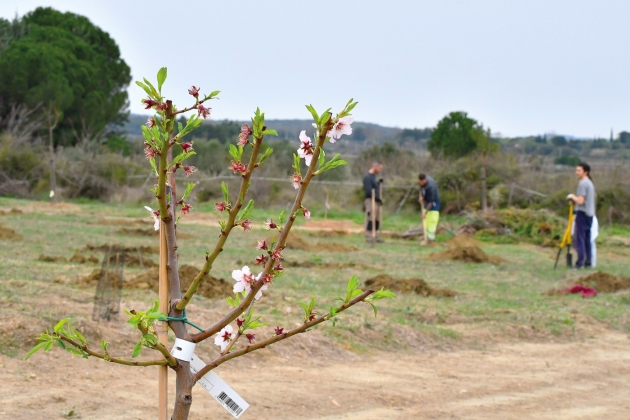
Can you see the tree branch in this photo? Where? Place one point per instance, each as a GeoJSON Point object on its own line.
{"type": "Point", "coordinates": [236, 312]}
{"type": "Point", "coordinates": [233, 213]}
{"type": "Point", "coordinates": [261, 345]}
{"type": "Point", "coordinates": [168, 361]}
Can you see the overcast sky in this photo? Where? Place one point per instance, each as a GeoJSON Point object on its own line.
{"type": "Point", "coordinates": [519, 67]}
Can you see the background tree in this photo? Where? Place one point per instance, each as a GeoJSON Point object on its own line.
{"type": "Point", "coordinates": [455, 136]}
{"type": "Point", "coordinates": [64, 61]}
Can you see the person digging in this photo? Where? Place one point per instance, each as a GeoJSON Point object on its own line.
{"type": "Point", "coordinates": [430, 203]}
{"type": "Point", "coordinates": [372, 203]}
{"type": "Point", "coordinates": [584, 201]}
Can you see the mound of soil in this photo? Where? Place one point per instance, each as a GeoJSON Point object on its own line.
{"type": "Point", "coordinates": [210, 287]}
{"type": "Point", "coordinates": [128, 249]}
{"type": "Point", "coordinates": [139, 231]}
{"type": "Point", "coordinates": [12, 211]}
{"type": "Point", "coordinates": [91, 279]}
{"type": "Point", "coordinates": [79, 258]}
{"type": "Point", "coordinates": [295, 241]}
{"type": "Point", "coordinates": [464, 248]}
{"type": "Point", "coordinates": [411, 285]}
{"type": "Point", "coordinates": [328, 233]}
{"type": "Point", "coordinates": [6, 233]}
{"type": "Point", "coordinates": [51, 258]}
{"type": "Point", "coordinates": [321, 265]}
{"type": "Point", "coordinates": [604, 282]}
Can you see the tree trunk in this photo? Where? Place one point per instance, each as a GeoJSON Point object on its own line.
{"type": "Point", "coordinates": [484, 192]}
{"type": "Point", "coordinates": [53, 176]}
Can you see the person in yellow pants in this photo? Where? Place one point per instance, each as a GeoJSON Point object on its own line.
{"type": "Point", "coordinates": [430, 198]}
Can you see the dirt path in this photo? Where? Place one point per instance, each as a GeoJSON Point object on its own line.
{"type": "Point", "coordinates": [577, 380]}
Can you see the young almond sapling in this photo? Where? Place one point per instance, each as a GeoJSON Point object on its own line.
{"type": "Point", "coordinates": [234, 333]}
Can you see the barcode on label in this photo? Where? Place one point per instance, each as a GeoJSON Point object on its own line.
{"type": "Point", "coordinates": [227, 401]}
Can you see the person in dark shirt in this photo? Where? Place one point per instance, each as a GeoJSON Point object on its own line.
{"type": "Point", "coordinates": [370, 183]}
{"type": "Point", "coordinates": [430, 199]}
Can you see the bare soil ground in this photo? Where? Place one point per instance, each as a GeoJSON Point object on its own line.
{"type": "Point", "coordinates": [575, 380]}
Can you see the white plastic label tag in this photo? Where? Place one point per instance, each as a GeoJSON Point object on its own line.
{"type": "Point", "coordinates": [217, 387]}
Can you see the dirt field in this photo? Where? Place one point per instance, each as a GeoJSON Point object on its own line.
{"type": "Point", "coordinates": [497, 347]}
{"type": "Point", "coordinates": [578, 380]}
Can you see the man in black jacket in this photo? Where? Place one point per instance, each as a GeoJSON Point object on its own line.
{"type": "Point", "coordinates": [370, 184]}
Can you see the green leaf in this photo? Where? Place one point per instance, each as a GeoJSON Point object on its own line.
{"type": "Point", "coordinates": [80, 337]}
{"type": "Point", "coordinates": [35, 349]}
{"type": "Point", "coordinates": [161, 78]}
{"type": "Point", "coordinates": [224, 188]}
{"type": "Point", "coordinates": [373, 307]}
{"type": "Point", "coordinates": [270, 133]}
{"type": "Point", "coordinates": [137, 349]}
{"type": "Point", "coordinates": [247, 210]}
{"type": "Point", "coordinates": [60, 324]}
{"type": "Point", "coordinates": [189, 187]}
{"type": "Point", "coordinates": [146, 89]}
{"type": "Point", "coordinates": [213, 94]}
{"type": "Point", "coordinates": [49, 345]}
{"type": "Point", "coordinates": [61, 344]}
{"type": "Point", "coordinates": [382, 294]}
{"type": "Point", "coordinates": [324, 118]}
{"type": "Point", "coordinates": [104, 345]}
{"type": "Point", "coordinates": [155, 92]}
{"type": "Point", "coordinates": [234, 153]}
{"type": "Point", "coordinates": [313, 113]}
{"type": "Point", "coordinates": [296, 163]}
{"type": "Point", "coordinates": [322, 158]}
{"type": "Point", "coordinates": [352, 283]}
{"type": "Point", "coordinates": [265, 155]}
{"type": "Point", "coordinates": [281, 217]}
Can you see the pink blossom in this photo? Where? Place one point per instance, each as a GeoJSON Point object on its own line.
{"type": "Point", "coordinates": [306, 148]}
{"type": "Point", "coordinates": [161, 106]}
{"type": "Point", "coordinates": [250, 337]}
{"type": "Point", "coordinates": [186, 208]}
{"type": "Point", "coordinates": [238, 167]}
{"type": "Point", "coordinates": [224, 337]}
{"type": "Point", "coordinates": [220, 207]}
{"type": "Point", "coordinates": [149, 153]}
{"type": "Point", "coordinates": [306, 213]}
{"type": "Point", "coordinates": [189, 170]}
{"type": "Point", "coordinates": [150, 103]}
{"type": "Point", "coordinates": [296, 179]}
{"type": "Point", "coordinates": [279, 331]}
{"type": "Point", "coordinates": [341, 127]}
{"type": "Point", "coordinates": [244, 281]}
{"type": "Point", "coordinates": [156, 217]}
{"type": "Point", "coordinates": [262, 259]}
{"type": "Point", "coordinates": [279, 267]}
{"type": "Point", "coordinates": [247, 225]}
{"type": "Point", "coordinates": [240, 322]}
{"type": "Point", "coordinates": [194, 91]}
{"type": "Point", "coordinates": [203, 111]}
{"type": "Point", "coordinates": [186, 147]}
{"type": "Point", "coordinates": [246, 130]}
{"type": "Point", "coordinates": [277, 254]}
{"type": "Point", "coordinates": [262, 244]}
{"type": "Point", "coordinates": [267, 279]}
{"type": "Point", "coordinates": [150, 122]}
{"type": "Point", "coordinates": [270, 224]}
{"type": "Point", "coordinates": [243, 140]}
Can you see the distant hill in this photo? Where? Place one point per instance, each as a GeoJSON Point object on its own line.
{"type": "Point", "coordinates": [367, 133]}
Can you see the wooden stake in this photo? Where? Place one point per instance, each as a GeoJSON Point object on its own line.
{"type": "Point", "coordinates": [373, 215]}
{"type": "Point", "coordinates": [162, 326]}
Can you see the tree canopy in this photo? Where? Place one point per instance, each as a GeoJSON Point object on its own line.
{"type": "Point", "coordinates": [458, 135]}
{"type": "Point", "coordinates": [65, 63]}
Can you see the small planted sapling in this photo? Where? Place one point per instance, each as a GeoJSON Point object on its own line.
{"type": "Point", "coordinates": [235, 334]}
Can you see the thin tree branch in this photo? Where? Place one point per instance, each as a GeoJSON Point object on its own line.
{"type": "Point", "coordinates": [262, 344]}
{"type": "Point", "coordinates": [236, 312]}
{"type": "Point", "coordinates": [233, 213]}
{"type": "Point", "coordinates": [170, 361]}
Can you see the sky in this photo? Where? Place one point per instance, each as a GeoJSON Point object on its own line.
{"type": "Point", "coordinates": [520, 67]}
